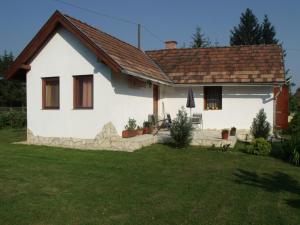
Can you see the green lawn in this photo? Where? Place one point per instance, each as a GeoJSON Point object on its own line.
{"type": "Point", "coordinates": [155, 185]}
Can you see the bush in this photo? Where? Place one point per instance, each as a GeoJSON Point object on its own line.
{"type": "Point", "coordinates": [259, 146]}
{"type": "Point", "coordinates": [147, 124]}
{"type": "Point", "coordinates": [181, 129]}
{"type": "Point", "coordinates": [131, 125]}
{"type": "Point", "coordinates": [291, 149]}
{"type": "Point", "coordinates": [294, 125]}
{"type": "Point", "coordinates": [260, 126]}
{"type": "Point", "coordinates": [12, 118]}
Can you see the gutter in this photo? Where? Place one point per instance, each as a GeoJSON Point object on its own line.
{"type": "Point", "coordinates": [226, 84]}
{"type": "Point", "coordinates": [145, 77]}
{"type": "Point", "coordinates": [197, 85]}
{"type": "Point", "coordinates": [275, 107]}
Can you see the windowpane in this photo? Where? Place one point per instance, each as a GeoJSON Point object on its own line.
{"type": "Point", "coordinates": [213, 98]}
{"type": "Point", "coordinates": [51, 92]}
{"type": "Point", "coordinates": [83, 91]}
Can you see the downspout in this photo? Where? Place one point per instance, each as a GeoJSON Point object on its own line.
{"type": "Point", "coordinates": [275, 107]}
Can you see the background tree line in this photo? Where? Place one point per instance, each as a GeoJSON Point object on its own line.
{"type": "Point", "coordinates": [12, 92]}
{"type": "Point", "coordinates": [248, 32]}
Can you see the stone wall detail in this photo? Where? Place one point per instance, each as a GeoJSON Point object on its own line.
{"type": "Point", "coordinates": [106, 139]}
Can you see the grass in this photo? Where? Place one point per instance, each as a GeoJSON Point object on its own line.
{"type": "Point", "coordinates": [155, 185]}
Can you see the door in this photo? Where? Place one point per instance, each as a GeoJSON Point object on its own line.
{"type": "Point", "coordinates": [155, 100]}
{"type": "Point", "coordinates": [281, 107]}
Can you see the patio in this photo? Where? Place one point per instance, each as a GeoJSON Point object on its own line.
{"type": "Point", "coordinates": [201, 138]}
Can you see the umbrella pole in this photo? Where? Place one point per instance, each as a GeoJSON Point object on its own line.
{"type": "Point", "coordinates": [190, 112]}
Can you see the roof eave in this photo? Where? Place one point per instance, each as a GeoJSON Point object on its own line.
{"type": "Point", "coordinates": [228, 84]}
{"type": "Point", "coordinates": [146, 77]}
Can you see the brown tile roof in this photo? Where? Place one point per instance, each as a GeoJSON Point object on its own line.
{"type": "Point", "coordinates": [127, 56]}
{"type": "Point", "coordinates": [237, 64]}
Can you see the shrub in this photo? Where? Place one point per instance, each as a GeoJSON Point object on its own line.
{"type": "Point", "coordinates": [260, 126]}
{"type": "Point", "coordinates": [294, 125]}
{"type": "Point", "coordinates": [131, 125]}
{"type": "Point", "coordinates": [259, 146]}
{"type": "Point", "coordinates": [12, 118]}
{"type": "Point", "coordinates": [181, 129]}
{"type": "Point", "coordinates": [291, 149]}
{"type": "Point", "coordinates": [147, 124]}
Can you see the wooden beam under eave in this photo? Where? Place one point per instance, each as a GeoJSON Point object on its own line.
{"type": "Point", "coordinates": [25, 67]}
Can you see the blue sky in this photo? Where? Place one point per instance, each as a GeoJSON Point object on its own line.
{"type": "Point", "coordinates": [168, 20]}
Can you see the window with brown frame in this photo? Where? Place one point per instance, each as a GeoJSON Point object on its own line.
{"type": "Point", "coordinates": [83, 92]}
{"type": "Point", "coordinates": [50, 93]}
{"type": "Point", "coordinates": [213, 98]}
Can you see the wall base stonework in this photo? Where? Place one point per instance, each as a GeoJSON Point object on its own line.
{"type": "Point", "coordinates": [107, 139]}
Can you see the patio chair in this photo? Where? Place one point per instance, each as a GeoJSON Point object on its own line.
{"type": "Point", "coordinates": [159, 124]}
{"type": "Point", "coordinates": [197, 120]}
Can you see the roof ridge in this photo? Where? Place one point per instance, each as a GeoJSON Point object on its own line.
{"type": "Point", "coordinates": [216, 47]}
{"type": "Point", "coordinates": [97, 29]}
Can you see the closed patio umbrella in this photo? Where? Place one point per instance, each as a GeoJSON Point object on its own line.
{"type": "Point", "coordinates": [190, 103]}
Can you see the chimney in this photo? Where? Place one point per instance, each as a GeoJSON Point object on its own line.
{"type": "Point", "coordinates": [170, 44]}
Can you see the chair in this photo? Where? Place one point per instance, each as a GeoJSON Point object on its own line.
{"type": "Point", "coordinates": [159, 124]}
{"type": "Point", "coordinates": [197, 120]}
{"type": "Point", "coordinates": [168, 121]}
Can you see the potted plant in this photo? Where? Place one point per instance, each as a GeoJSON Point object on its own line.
{"type": "Point", "coordinates": [232, 131]}
{"type": "Point", "coordinates": [139, 130]}
{"type": "Point", "coordinates": [130, 129]}
{"type": "Point", "coordinates": [225, 133]}
{"type": "Point", "coordinates": [147, 127]}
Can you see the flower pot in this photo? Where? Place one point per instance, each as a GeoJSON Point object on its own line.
{"type": "Point", "coordinates": [140, 132]}
{"type": "Point", "coordinates": [225, 135]}
{"type": "Point", "coordinates": [147, 130]}
{"type": "Point", "coordinates": [129, 133]}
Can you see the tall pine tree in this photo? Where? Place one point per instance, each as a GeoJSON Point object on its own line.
{"type": "Point", "coordinates": [199, 40]}
{"type": "Point", "coordinates": [268, 32]}
{"type": "Point", "coordinates": [248, 32]}
{"type": "Point", "coordinates": [5, 61]}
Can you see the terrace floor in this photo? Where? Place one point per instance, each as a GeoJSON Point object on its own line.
{"type": "Point", "coordinates": [201, 138]}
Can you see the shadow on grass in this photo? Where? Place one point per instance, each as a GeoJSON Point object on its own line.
{"type": "Point", "coordinates": [275, 182]}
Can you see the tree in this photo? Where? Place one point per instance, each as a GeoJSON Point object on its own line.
{"type": "Point", "coordinates": [5, 61]}
{"type": "Point", "coordinates": [12, 92]}
{"type": "Point", "coordinates": [268, 32]}
{"type": "Point", "coordinates": [181, 129]}
{"type": "Point", "coordinates": [297, 97]}
{"type": "Point", "coordinates": [260, 126]}
{"type": "Point", "coordinates": [199, 40]}
{"type": "Point", "coordinates": [293, 103]}
{"type": "Point", "coordinates": [248, 32]}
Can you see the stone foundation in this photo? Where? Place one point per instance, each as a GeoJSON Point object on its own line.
{"type": "Point", "coordinates": [107, 139]}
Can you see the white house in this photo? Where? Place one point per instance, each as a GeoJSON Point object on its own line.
{"type": "Point", "coordinates": [80, 79]}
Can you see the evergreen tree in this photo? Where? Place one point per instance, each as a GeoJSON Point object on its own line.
{"type": "Point", "coordinates": [248, 32]}
{"type": "Point", "coordinates": [268, 32]}
{"type": "Point", "coordinates": [199, 40]}
{"type": "Point", "coordinates": [5, 61]}
{"type": "Point", "coordinates": [260, 126]}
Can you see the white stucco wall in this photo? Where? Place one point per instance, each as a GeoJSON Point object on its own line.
{"type": "Point", "coordinates": [114, 100]}
{"type": "Point", "coordinates": [240, 104]}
